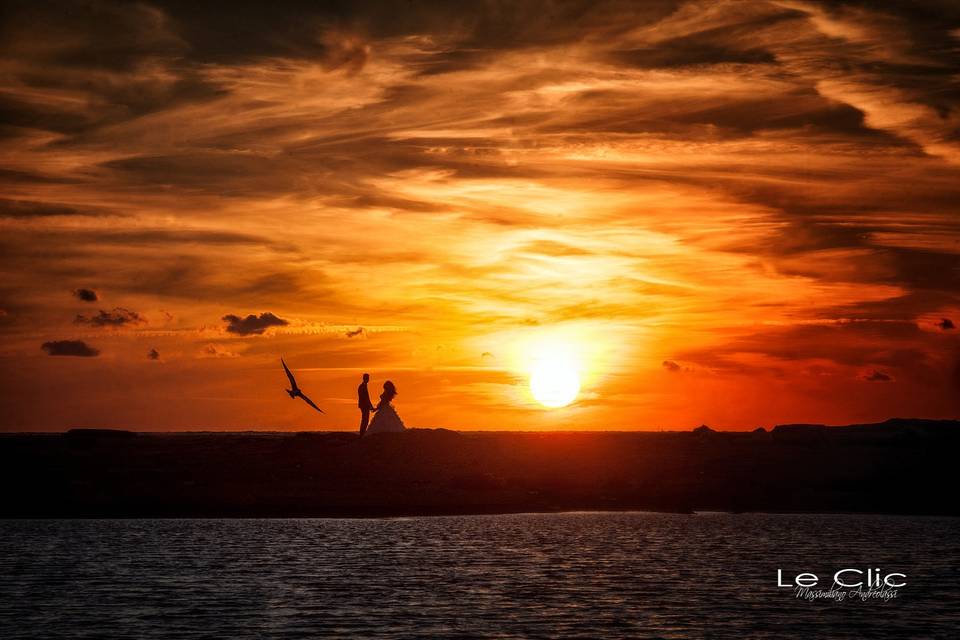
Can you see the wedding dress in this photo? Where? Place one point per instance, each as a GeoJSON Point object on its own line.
{"type": "Point", "coordinates": [386, 420]}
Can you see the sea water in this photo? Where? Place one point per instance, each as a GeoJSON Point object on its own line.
{"type": "Point", "coordinates": [590, 575]}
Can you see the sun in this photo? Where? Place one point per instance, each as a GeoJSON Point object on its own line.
{"type": "Point", "coordinates": [554, 382]}
{"type": "Point", "coordinates": [560, 362]}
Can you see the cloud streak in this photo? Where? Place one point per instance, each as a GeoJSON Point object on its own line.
{"type": "Point", "coordinates": [877, 376]}
{"type": "Point", "coordinates": [118, 317]}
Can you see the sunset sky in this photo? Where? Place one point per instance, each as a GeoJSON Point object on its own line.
{"type": "Point", "coordinates": [732, 213]}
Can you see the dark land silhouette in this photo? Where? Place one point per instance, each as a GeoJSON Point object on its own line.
{"type": "Point", "coordinates": [899, 466]}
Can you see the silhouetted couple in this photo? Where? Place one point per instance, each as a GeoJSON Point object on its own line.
{"type": "Point", "coordinates": [385, 418]}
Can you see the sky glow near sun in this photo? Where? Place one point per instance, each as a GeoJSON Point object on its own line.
{"type": "Point", "coordinates": [732, 213]}
{"type": "Point", "coordinates": [555, 379]}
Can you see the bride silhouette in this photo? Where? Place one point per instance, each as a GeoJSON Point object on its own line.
{"type": "Point", "coordinates": [386, 419]}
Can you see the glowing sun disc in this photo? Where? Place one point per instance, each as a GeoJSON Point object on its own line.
{"type": "Point", "coordinates": [554, 384]}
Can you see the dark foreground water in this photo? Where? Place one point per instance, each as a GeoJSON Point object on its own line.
{"type": "Point", "coordinates": [592, 575]}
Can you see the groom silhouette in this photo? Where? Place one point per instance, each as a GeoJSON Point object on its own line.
{"type": "Point", "coordinates": [363, 401]}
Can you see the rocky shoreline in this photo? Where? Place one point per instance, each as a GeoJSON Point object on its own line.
{"type": "Point", "coordinates": [899, 466]}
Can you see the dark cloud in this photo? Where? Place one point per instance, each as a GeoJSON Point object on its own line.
{"type": "Point", "coordinates": [355, 332]}
{"type": "Point", "coordinates": [174, 244]}
{"type": "Point", "coordinates": [680, 53]}
{"type": "Point", "coordinates": [132, 60]}
{"type": "Point", "coordinates": [801, 110]}
{"type": "Point", "coordinates": [153, 354]}
{"type": "Point", "coordinates": [231, 33]}
{"type": "Point", "coordinates": [77, 348]}
{"type": "Point", "coordinates": [200, 278]}
{"type": "Point", "coordinates": [225, 166]}
{"type": "Point", "coordinates": [146, 237]}
{"type": "Point", "coordinates": [216, 351]}
{"type": "Point", "coordinates": [672, 366]}
{"type": "Point", "coordinates": [175, 265]}
{"type": "Point", "coordinates": [254, 30]}
{"type": "Point", "coordinates": [876, 376]}
{"type": "Point", "coordinates": [851, 343]}
{"type": "Point", "coordinates": [252, 324]}
{"type": "Point", "coordinates": [118, 317]}
{"type": "Point", "coordinates": [111, 36]}
{"type": "Point", "coordinates": [903, 308]}
{"type": "Point", "coordinates": [126, 59]}
{"type": "Point", "coordinates": [955, 376]}
{"type": "Point", "coordinates": [210, 170]}
{"type": "Point", "coordinates": [344, 50]}
{"type": "Point", "coordinates": [17, 177]}
{"type": "Point", "coordinates": [731, 40]}
{"type": "Point", "coordinates": [946, 324]}
{"type": "Point", "coordinates": [925, 269]}
{"type": "Point", "coordinates": [121, 101]}
{"type": "Point", "coordinates": [30, 209]}
{"type": "Point", "coordinates": [87, 295]}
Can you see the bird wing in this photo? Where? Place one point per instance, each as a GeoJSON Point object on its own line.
{"type": "Point", "coordinates": [293, 382]}
{"type": "Point", "coordinates": [310, 402]}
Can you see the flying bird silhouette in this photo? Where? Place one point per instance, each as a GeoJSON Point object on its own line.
{"type": "Point", "coordinates": [294, 392]}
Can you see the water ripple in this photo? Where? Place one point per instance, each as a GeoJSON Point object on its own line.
{"type": "Point", "coordinates": [576, 575]}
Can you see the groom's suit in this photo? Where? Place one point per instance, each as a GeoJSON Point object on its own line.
{"type": "Point", "coordinates": [363, 401]}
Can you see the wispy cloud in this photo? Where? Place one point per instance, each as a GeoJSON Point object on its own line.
{"type": "Point", "coordinates": [118, 317]}
{"type": "Point", "coordinates": [877, 376]}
